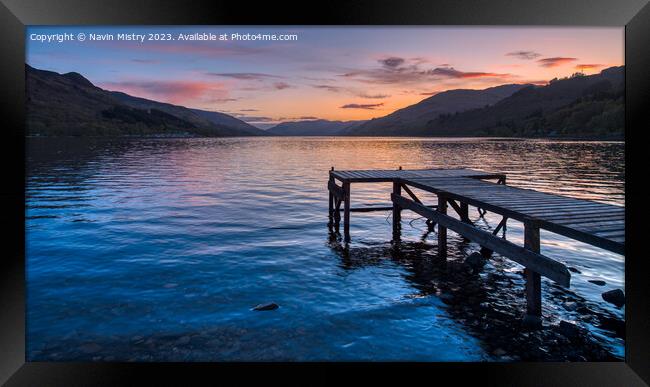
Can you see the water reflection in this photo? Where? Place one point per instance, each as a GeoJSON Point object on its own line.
{"type": "Point", "coordinates": [490, 302]}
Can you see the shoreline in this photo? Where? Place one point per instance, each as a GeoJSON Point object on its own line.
{"type": "Point", "coordinates": [586, 139]}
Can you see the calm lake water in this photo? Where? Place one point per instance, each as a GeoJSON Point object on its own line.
{"type": "Point", "coordinates": [157, 249]}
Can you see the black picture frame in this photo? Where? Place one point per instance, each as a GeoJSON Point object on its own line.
{"type": "Point", "coordinates": [16, 14]}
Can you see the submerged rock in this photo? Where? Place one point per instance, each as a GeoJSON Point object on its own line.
{"type": "Point", "coordinates": [612, 324]}
{"type": "Point", "coordinates": [574, 270]}
{"type": "Point", "coordinates": [569, 330]}
{"type": "Point", "coordinates": [598, 282]}
{"type": "Point", "coordinates": [570, 305]}
{"type": "Point", "coordinates": [616, 297]}
{"type": "Point", "coordinates": [267, 306]}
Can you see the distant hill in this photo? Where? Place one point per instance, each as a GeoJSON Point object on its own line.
{"type": "Point", "coordinates": [313, 128]}
{"type": "Point", "coordinates": [413, 119]}
{"type": "Point", "coordinates": [577, 106]}
{"type": "Point", "coordinates": [69, 104]}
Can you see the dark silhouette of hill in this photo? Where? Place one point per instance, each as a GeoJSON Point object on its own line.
{"type": "Point", "coordinates": [412, 119]}
{"type": "Point", "coordinates": [313, 128]}
{"type": "Point", "coordinates": [70, 105]}
{"type": "Point", "coordinates": [577, 106]}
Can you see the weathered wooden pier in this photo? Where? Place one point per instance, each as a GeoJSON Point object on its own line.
{"type": "Point", "coordinates": [594, 223]}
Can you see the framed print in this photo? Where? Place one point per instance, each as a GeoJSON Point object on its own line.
{"type": "Point", "coordinates": [193, 190]}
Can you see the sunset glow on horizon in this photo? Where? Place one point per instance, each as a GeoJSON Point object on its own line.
{"type": "Point", "coordinates": [334, 73]}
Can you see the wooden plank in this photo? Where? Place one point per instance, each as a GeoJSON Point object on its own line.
{"type": "Point", "coordinates": [560, 205]}
{"type": "Point", "coordinates": [580, 222]}
{"type": "Point", "coordinates": [586, 237]}
{"type": "Point", "coordinates": [595, 225]}
{"type": "Point", "coordinates": [543, 265]}
{"type": "Point", "coordinates": [610, 233]}
{"type": "Point", "coordinates": [502, 224]}
{"type": "Point", "coordinates": [377, 208]}
{"type": "Point", "coordinates": [582, 217]}
{"type": "Point", "coordinates": [456, 208]}
{"type": "Point", "coordinates": [549, 214]}
{"type": "Point", "coordinates": [526, 200]}
{"type": "Point", "coordinates": [410, 193]}
{"type": "Point", "coordinates": [360, 176]}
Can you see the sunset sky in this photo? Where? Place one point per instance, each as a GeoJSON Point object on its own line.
{"type": "Point", "coordinates": [329, 72]}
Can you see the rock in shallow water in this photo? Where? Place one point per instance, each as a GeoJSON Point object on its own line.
{"type": "Point", "coordinates": [569, 330]}
{"type": "Point", "coordinates": [616, 297]}
{"type": "Point", "coordinates": [267, 306]}
{"type": "Point", "coordinates": [598, 282]}
{"type": "Point", "coordinates": [570, 305]}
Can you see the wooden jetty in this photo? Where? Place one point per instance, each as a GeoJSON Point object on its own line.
{"type": "Point", "coordinates": [597, 224]}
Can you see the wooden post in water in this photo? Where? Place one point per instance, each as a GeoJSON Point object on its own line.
{"type": "Point", "coordinates": [442, 231]}
{"type": "Point", "coordinates": [330, 215]}
{"type": "Point", "coordinates": [346, 210]}
{"type": "Point", "coordinates": [464, 212]}
{"type": "Point", "coordinates": [533, 279]}
{"type": "Point", "coordinates": [397, 210]}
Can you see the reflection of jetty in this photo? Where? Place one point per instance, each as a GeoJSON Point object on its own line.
{"type": "Point", "coordinates": [597, 224]}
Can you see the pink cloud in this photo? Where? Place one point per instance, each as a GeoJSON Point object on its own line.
{"type": "Point", "coordinates": [175, 91]}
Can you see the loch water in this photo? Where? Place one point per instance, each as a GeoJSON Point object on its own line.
{"type": "Point", "coordinates": [141, 249]}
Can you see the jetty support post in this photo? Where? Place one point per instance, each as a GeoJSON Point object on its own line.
{"type": "Point", "coordinates": [346, 210]}
{"type": "Point", "coordinates": [533, 279]}
{"type": "Point", "coordinates": [464, 212]}
{"type": "Point", "coordinates": [397, 210]}
{"type": "Point", "coordinates": [442, 231]}
{"type": "Point", "coordinates": [331, 201]}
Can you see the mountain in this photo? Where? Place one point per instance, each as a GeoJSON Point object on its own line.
{"type": "Point", "coordinates": [413, 119]}
{"type": "Point", "coordinates": [69, 104]}
{"type": "Point", "coordinates": [576, 106]}
{"type": "Point", "coordinates": [230, 121]}
{"type": "Point", "coordinates": [313, 128]}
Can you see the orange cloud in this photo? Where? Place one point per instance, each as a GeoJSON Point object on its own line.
{"type": "Point", "coordinates": [585, 67]}
{"type": "Point", "coordinates": [555, 61]}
